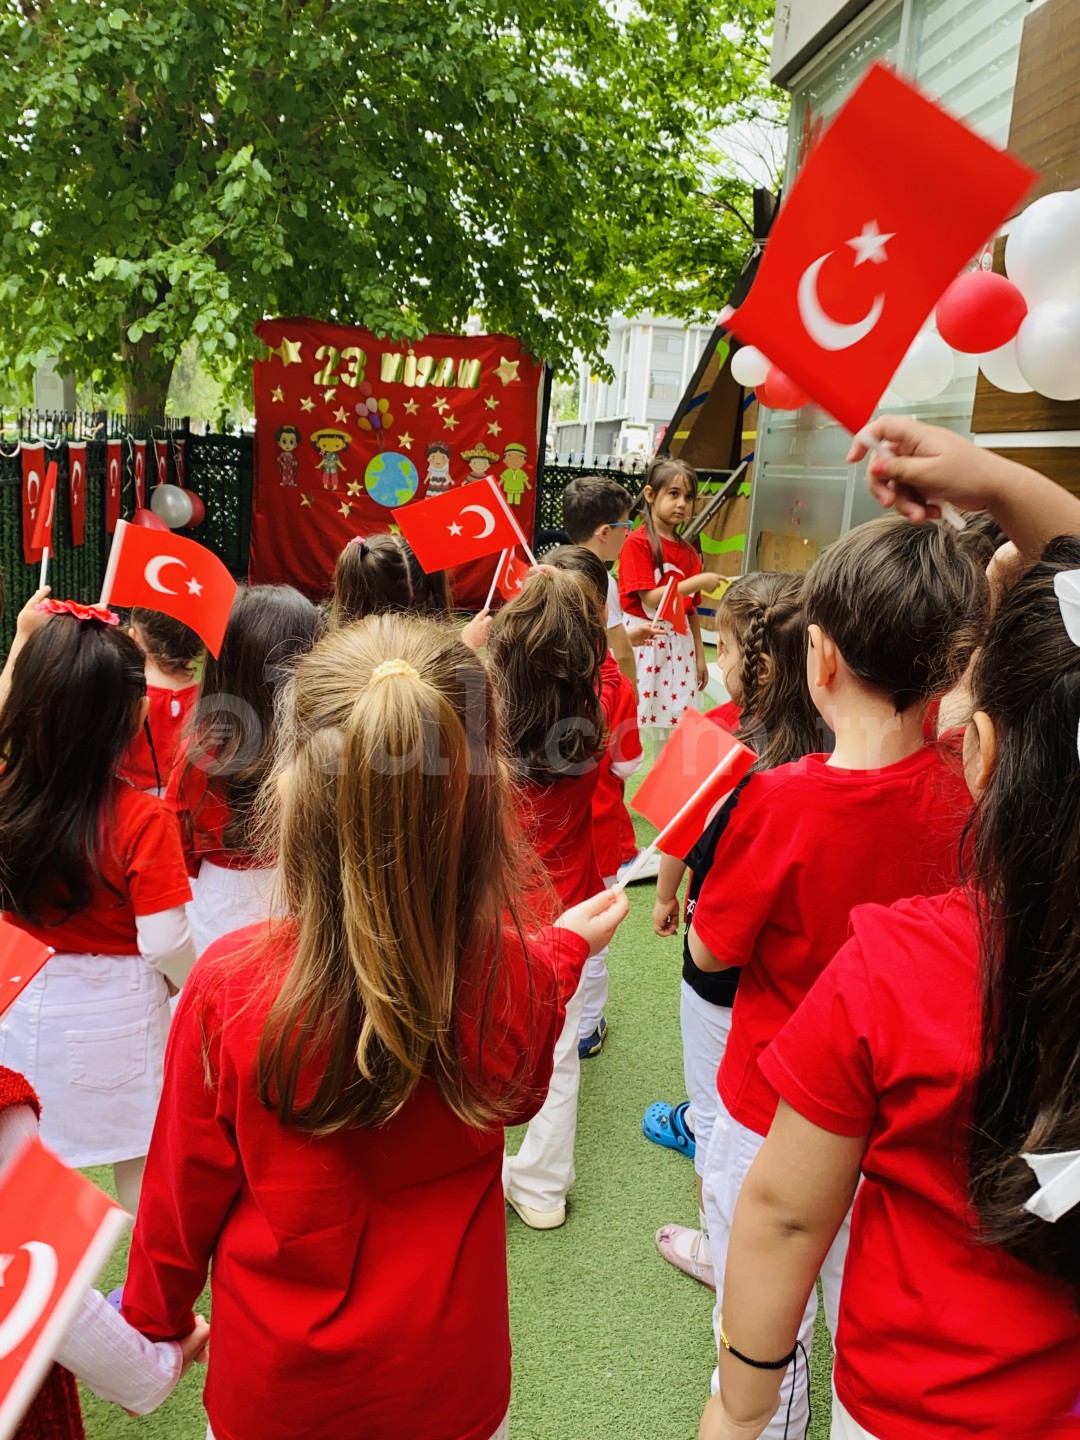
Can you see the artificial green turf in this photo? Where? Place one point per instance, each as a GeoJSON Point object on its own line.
{"type": "Point", "coordinates": [610, 1342]}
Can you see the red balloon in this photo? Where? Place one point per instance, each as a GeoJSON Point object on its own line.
{"type": "Point", "coordinates": [149, 520]}
{"type": "Point", "coordinates": [198, 510]}
{"type": "Point", "coordinates": [980, 311]}
{"type": "Point", "coordinates": [779, 392]}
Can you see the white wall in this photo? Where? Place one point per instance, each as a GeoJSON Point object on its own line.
{"type": "Point", "coordinates": [802, 26]}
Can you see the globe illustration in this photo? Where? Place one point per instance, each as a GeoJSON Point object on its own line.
{"type": "Point", "coordinates": [391, 479]}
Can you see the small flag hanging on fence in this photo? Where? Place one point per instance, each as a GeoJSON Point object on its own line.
{"type": "Point", "coordinates": [140, 474]}
{"type": "Point", "coordinates": [114, 480]}
{"type": "Point", "coordinates": [77, 490]}
{"type": "Point", "coordinates": [161, 455]}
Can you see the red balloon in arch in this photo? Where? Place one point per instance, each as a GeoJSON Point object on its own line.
{"type": "Point", "coordinates": [149, 520]}
{"type": "Point", "coordinates": [198, 509]}
{"type": "Point", "coordinates": [980, 311]}
{"type": "Point", "coordinates": [779, 391]}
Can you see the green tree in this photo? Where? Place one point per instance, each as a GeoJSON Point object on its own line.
{"type": "Point", "coordinates": [179, 168]}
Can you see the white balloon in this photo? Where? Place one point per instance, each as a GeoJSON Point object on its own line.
{"type": "Point", "coordinates": [1042, 253]}
{"type": "Point", "coordinates": [1048, 349]}
{"type": "Point", "coordinates": [925, 370]}
{"type": "Point", "coordinates": [1002, 369]}
{"type": "Point", "coordinates": [171, 504]}
{"type": "Point", "coordinates": [749, 367]}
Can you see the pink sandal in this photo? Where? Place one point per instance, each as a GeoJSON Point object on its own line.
{"type": "Point", "coordinates": [688, 1250]}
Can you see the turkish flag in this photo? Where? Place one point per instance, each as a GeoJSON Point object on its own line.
{"type": "Point", "coordinates": [180, 461]}
{"type": "Point", "coordinates": [464, 524]}
{"type": "Point", "coordinates": [140, 474]}
{"type": "Point", "coordinates": [698, 766]}
{"type": "Point", "coordinates": [199, 591]}
{"type": "Point", "coordinates": [161, 455]}
{"type": "Point", "coordinates": [512, 576]}
{"type": "Point", "coordinates": [891, 204]}
{"type": "Point", "coordinates": [39, 502]}
{"type": "Point", "coordinates": [672, 608]}
{"type": "Point", "coordinates": [114, 480]}
{"type": "Point", "coordinates": [77, 489]}
{"type": "Point", "coordinates": [21, 957]}
{"type": "Point", "coordinates": [56, 1232]}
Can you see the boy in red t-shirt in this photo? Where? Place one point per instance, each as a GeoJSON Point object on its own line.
{"type": "Point", "coordinates": [892, 612]}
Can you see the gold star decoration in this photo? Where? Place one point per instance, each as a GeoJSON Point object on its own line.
{"type": "Point", "coordinates": [307, 405]}
{"type": "Point", "coordinates": [305, 499]}
{"type": "Point", "coordinates": [451, 422]}
{"type": "Point", "coordinates": [328, 395]}
{"type": "Point", "coordinates": [507, 370]}
{"type": "Point", "coordinates": [354, 487]}
{"type": "Point", "coordinates": [411, 407]}
{"type": "Point", "coordinates": [395, 529]}
{"type": "Point", "coordinates": [345, 508]}
{"type": "Point", "coordinates": [289, 350]}
{"type": "Point", "coordinates": [491, 403]}
{"type": "Point", "coordinates": [277, 394]}
{"type": "Point", "coordinates": [440, 405]}
{"type": "Point", "coordinates": [340, 415]}
{"type": "Point", "coordinates": [494, 428]}
{"type": "Point", "coordinates": [405, 440]}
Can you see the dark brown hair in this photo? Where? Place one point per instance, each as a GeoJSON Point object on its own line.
{"type": "Point", "coordinates": [380, 575]}
{"type": "Point", "coordinates": [170, 643]}
{"type": "Point", "coordinates": [233, 725]}
{"type": "Point", "coordinates": [400, 865]}
{"type": "Point", "coordinates": [69, 716]}
{"type": "Point", "coordinates": [1027, 872]}
{"type": "Point", "coordinates": [660, 473]}
{"type": "Point", "coordinates": [779, 719]}
{"type": "Point", "coordinates": [591, 501]}
{"type": "Point", "coordinates": [579, 561]}
{"type": "Point", "coordinates": [905, 605]}
{"type": "Point", "coordinates": [545, 650]}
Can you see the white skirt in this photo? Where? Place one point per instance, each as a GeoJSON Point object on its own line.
{"type": "Point", "coordinates": [89, 1035]}
{"type": "Point", "coordinates": [226, 900]}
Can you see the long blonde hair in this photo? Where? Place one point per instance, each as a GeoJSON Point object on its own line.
{"type": "Point", "coordinates": [398, 868]}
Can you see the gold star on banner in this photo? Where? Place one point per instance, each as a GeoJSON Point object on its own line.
{"type": "Point", "coordinates": [491, 403]}
{"type": "Point", "coordinates": [354, 487]}
{"type": "Point", "coordinates": [307, 405]}
{"type": "Point", "coordinates": [305, 499]}
{"type": "Point", "coordinates": [411, 407]}
{"type": "Point", "coordinates": [395, 529]}
{"type": "Point", "coordinates": [345, 508]}
{"type": "Point", "coordinates": [494, 428]}
{"type": "Point", "coordinates": [277, 395]}
{"type": "Point", "coordinates": [289, 350]}
{"type": "Point", "coordinates": [328, 395]}
{"type": "Point", "coordinates": [405, 440]}
{"type": "Point", "coordinates": [441, 404]}
{"type": "Point", "coordinates": [451, 422]}
{"type": "Point", "coordinates": [340, 415]}
{"type": "Point", "coordinates": [507, 369]}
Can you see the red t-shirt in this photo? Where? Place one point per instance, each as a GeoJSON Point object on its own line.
{"type": "Point", "coordinates": [806, 843]}
{"type": "Point", "coordinates": [939, 1334]}
{"type": "Point", "coordinates": [557, 820]}
{"type": "Point", "coordinates": [169, 710]}
{"type": "Point", "coordinates": [139, 857]}
{"type": "Point", "coordinates": [638, 570]}
{"type": "Point", "coordinates": [199, 802]}
{"type": "Point", "coordinates": [624, 747]}
{"type": "Point", "coordinates": [359, 1278]}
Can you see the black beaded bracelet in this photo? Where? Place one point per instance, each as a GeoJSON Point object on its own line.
{"type": "Point", "coordinates": [757, 1364]}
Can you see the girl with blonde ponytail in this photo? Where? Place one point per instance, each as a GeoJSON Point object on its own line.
{"type": "Point", "coordinates": [331, 1132]}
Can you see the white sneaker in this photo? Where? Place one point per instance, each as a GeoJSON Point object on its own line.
{"type": "Point", "coordinates": [649, 871]}
{"type": "Point", "coordinates": [537, 1219]}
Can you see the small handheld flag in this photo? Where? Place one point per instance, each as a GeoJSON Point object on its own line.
{"type": "Point", "coordinates": [672, 607]}
{"type": "Point", "coordinates": [41, 530]}
{"type": "Point", "coordinates": [167, 572]}
{"type": "Point", "coordinates": [465, 524]}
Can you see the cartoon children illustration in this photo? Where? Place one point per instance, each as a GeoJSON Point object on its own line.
{"type": "Point", "coordinates": [513, 479]}
{"type": "Point", "coordinates": [288, 437]}
{"type": "Point", "coordinates": [439, 479]}
{"type": "Point", "coordinates": [480, 460]}
{"type": "Point", "coordinates": [330, 443]}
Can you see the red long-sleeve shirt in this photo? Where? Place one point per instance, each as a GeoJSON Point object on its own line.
{"type": "Point", "coordinates": [359, 1278]}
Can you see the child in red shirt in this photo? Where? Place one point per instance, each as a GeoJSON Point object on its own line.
{"type": "Point", "coordinates": [545, 653]}
{"type": "Point", "coordinates": [892, 612]}
{"type": "Point", "coordinates": [92, 867]}
{"type": "Point", "coordinates": [227, 753]}
{"type": "Point", "coordinates": [382, 574]}
{"type": "Point", "coordinates": [331, 1131]}
{"type": "Point", "coordinates": [670, 667]}
{"type": "Point", "coordinates": [935, 1052]}
{"type": "Point", "coordinates": [172, 652]}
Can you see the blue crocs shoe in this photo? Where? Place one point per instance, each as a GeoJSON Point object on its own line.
{"type": "Point", "coordinates": [594, 1043]}
{"type": "Point", "coordinates": [666, 1125]}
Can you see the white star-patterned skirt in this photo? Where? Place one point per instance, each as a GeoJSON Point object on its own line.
{"type": "Point", "coordinates": [667, 680]}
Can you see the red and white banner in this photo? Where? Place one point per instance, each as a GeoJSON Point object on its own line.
{"type": "Point", "coordinates": [201, 596]}
{"type": "Point", "coordinates": [161, 456]}
{"type": "Point", "coordinates": [140, 474]}
{"type": "Point", "coordinates": [56, 1232]}
{"type": "Point", "coordinates": [114, 483]}
{"type": "Point", "coordinates": [36, 501]}
{"type": "Point", "coordinates": [77, 489]}
{"type": "Point", "coordinates": [350, 428]}
{"type": "Point", "coordinates": [180, 462]}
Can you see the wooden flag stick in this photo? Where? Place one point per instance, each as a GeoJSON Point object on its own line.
{"type": "Point", "coordinates": [495, 578]}
{"type": "Point", "coordinates": [43, 578]}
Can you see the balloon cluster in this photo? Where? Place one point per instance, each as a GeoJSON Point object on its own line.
{"type": "Point", "coordinates": [373, 414]}
{"type": "Point", "coordinates": [773, 387]}
{"type": "Point", "coordinates": [178, 509]}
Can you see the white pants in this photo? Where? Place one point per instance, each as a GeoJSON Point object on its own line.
{"type": "Point", "coordinates": [503, 1432]}
{"type": "Point", "coordinates": [844, 1427]}
{"type": "Point", "coordinates": [541, 1173]}
{"type": "Point", "coordinates": [227, 900]}
{"type": "Point", "coordinates": [732, 1150]}
{"type": "Point", "coordinates": [705, 1030]}
{"type": "Point", "coordinates": [594, 993]}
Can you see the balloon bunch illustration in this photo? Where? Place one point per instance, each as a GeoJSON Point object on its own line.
{"type": "Point", "coordinates": [373, 414]}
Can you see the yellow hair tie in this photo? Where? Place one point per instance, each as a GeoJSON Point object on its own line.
{"type": "Point", "coordinates": [392, 667]}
